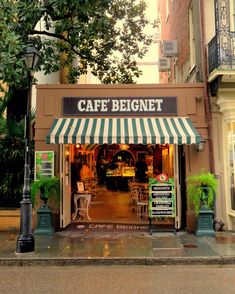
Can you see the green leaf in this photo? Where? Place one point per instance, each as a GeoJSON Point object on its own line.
{"type": "Point", "coordinates": [91, 31]}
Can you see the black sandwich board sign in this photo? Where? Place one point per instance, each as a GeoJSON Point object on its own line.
{"type": "Point", "coordinates": [161, 198]}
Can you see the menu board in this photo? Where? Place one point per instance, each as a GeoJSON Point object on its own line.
{"type": "Point", "coordinates": [44, 165]}
{"type": "Point", "coordinates": [161, 198]}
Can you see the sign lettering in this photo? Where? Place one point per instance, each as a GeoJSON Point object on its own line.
{"type": "Point", "coordinates": [162, 198]}
{"type": "Point", "coordinates": [119, 105]}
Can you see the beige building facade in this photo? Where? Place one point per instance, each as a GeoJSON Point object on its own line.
{"type": "Point", "coordinates": [184, 101]}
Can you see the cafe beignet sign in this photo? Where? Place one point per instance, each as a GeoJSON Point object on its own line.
{"type": "Point", "coordinates": [97, 106]}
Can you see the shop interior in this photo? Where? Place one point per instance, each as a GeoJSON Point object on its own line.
{"type": "Point", "coordinates": [116, 176]}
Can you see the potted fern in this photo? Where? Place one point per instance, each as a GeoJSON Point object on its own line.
{"type": "Point", "coordinates": [47, 219]}
{"type": "Point", "coordinates": [48, 188]}
{"type": "Point", "coordinates": [201, 190]}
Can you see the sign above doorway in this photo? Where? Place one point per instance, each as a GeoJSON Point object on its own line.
{"type": "Point", "coordinates": [123, 106]}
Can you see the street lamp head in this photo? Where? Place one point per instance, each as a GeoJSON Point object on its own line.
{"type": "Point", "coordinates": [31, 56]}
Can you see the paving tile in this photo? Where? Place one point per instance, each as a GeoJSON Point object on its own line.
{"type": "Point", "coordinates": [225, 239]}
{"type": "Point", "coordinates": [169, 252]}
{"type": "Point", "coordinates": [166, 242]}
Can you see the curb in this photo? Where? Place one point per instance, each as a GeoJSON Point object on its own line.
{"type": "Point", "coordinates": [117, 261]}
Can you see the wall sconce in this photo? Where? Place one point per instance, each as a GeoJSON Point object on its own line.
{"type": "Point", "coordinates": [201, 146]}
{"type": "Point", "coordinates": [78, 146]}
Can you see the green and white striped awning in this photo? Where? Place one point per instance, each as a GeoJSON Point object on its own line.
{"type": "Point", "coordinates": [164, 130]}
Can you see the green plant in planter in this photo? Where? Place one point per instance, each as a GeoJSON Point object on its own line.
{"type": "Point", "coordinates": [201, 190]}
{"type": "Point", "coordinates": [49, 187]}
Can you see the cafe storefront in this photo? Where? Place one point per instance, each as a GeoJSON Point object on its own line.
{"type": "Point", "coordinates": [107, 129]}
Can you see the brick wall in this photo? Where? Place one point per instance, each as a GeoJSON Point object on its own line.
{"type": "Point", "coordinates": [175, 26]}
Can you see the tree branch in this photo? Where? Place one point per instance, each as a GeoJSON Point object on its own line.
{"type": "Point", "coordinates": [35, 32]}
{"type": "Point", "coordinates": [61, 37]}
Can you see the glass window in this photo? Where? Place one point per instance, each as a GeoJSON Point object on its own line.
{"type": "Point", "coordinates": [231, 158]}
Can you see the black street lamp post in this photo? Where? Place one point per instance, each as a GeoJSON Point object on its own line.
{"type": "Point", "coordinates": [25, 242]}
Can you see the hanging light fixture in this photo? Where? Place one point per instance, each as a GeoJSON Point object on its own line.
{"type": "Point", "coordinates": [201, 146]}
{"type": "Point", "coordinates": [123, 146]}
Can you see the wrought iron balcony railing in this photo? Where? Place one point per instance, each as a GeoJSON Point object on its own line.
{"type": "Point", "coordinates": [221, 53]}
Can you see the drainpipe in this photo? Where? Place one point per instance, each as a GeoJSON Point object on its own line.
{"type": "Point", "coordinates": [205, 88]}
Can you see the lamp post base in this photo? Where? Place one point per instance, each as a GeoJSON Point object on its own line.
{"type": "Point", "coordinates": [25, 244]}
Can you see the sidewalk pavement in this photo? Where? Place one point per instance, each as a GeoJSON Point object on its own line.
{"type": "Point", "coordinates": [86, 247]}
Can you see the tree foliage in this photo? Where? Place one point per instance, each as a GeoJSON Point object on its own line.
{"type": "Point", "coordinates": [11, 161]}
{"type": "Point", "coordinates": [105, 35]}
{"type": "Point", "coordinates": [12, 153]}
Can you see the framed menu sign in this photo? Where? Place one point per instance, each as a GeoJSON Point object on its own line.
{"type": "Point", "coordinates": [44, 165]}
{"type": "Point", "coordinates": [161, 197]}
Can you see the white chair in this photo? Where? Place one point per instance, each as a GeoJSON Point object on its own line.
{"type": "Point", "coordinates": [142, 205]}
{"type": "Point", "coordinates": [134, 192]}
{"type": "Point", "coordinates": [81, 204]}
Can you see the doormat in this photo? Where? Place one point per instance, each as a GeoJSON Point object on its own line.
{"type": "Point", "coordinates": [116, 227]}
{"type": "Point", "coordinates": [111, 227]}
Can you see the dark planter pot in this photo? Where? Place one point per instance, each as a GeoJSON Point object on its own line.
{"type": "Point", "coordinates": [205, 192]}
{"type": "Point", "coordinates": [44, 217]}
{"type": "Point", "coordinates": [43, 195]}
{"type": "Point", "coordinates": [205, 223]}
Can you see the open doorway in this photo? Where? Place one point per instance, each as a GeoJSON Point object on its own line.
{"type": "Point", "coordinates": [107, 172]}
